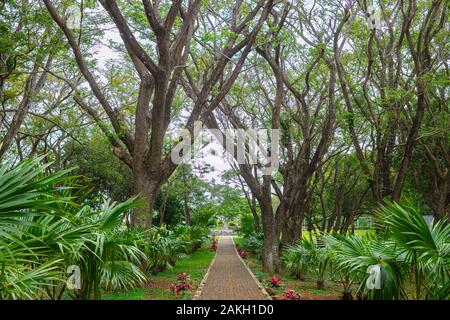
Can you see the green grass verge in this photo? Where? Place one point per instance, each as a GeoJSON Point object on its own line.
{"type": "Point", "coordinates": [158, 286]}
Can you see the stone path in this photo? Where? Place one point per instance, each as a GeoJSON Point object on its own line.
{"type": "Point", "coordinates": [228, 278]}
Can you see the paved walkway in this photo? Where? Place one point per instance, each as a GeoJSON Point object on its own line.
{"type": "Point", "coordinates": [228, 279]}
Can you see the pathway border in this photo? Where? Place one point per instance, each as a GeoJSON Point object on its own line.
{"type": "Point", "coordinates": [260, 286]}
{"type": "Point", "coordinates": [205, 277]}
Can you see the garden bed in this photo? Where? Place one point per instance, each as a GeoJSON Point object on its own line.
{"type": "Point", "coordinates": [307, 289]}
{"type": "Point", "coordinates": [159, 285]}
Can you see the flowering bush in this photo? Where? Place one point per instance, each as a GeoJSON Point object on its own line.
{"type": "Point", "coordinates": [274, 282]}
{"type": "Point", "coordinates": [183, 276]}
{"type": "Point", "coordinates": [243, 254]}
{"type": "Point", "coordinates": [183, 284]}
{"type": "Point", "coordinates": [290, 295]}
{"type": "Point", "coordinates": [213, 243]}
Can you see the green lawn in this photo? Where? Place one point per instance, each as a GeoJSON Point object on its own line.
{"type": "Point", "coordinates": [239, 241]}
{"type": "Point", "coordinates": [158, 286]}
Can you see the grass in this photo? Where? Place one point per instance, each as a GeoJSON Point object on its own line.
{"type": "Point", "coordinates": [359, 232]}
{"type": "Point", "coordinates": [239, 241]}
{"type": "Point", "coordinates": [158, 285]}
{"type": "Point", "coordinates": [135, 294]}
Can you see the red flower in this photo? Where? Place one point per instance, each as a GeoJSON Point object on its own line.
{"type": "Point", "coordinates": [183, 276]}
{"type": "Point", "coordinates": [182, 285]}
{"type": "Point", "coordinates": [214, 244]}
{"type": "Point", "coordinates": [243, 254]}
{"type": "Point", "coordinates": [290, 295]}
{"type": "Point", "coordinates": [274, 281]}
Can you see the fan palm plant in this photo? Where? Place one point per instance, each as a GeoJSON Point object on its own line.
{"type": "Point", "coordinates": [192, 237]}
{"type": "Point", "coordinates": [42, 231]}
{"type": "Point", "coordinates": [107, 258]}
{"type": "Point", "coordinates": [27, 195]}
{"type": "Point", "coordinates": [320, 260]}
{"type": "Point", "coordinates": [426, 248]}
{"type": "Point", "coordinates": [297, 260]}
{"type": "Point", "coordinates": [160, 245]}
{"type": "Point", "coordinates": [355, 257]}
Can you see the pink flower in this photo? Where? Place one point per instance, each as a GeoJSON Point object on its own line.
{"type": "Point", "coordinates": [182, 286]}
{"type": "Point", "coordinates": [243, 254]}
{"type": "Point", "coordinates": [274, 281]}
{"type": "Point", "coordinates": [290, 295]}
{"type": "Point", "coordinates": [183, 276]}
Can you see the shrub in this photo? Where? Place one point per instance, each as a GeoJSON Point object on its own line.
{"type": "Point", "coordinates": [191, 237]}
{"type": "Point", "coordinates": [160, 245]}
{"type": "Point", "coordinates": [297, 260]}
{"type": "Point", "coordinates": [44, 231]}
{"type": "Point", "coordinates": [254, 244]}
{"type": "Point", "coordinates": [246, 225]}
{"type": "Point", "coordinates": [354, 256]}
{"type": "Point", "coordinates": [424, 248]}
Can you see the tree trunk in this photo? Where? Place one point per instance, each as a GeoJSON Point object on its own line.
{"type": "Point", "coordinates": [271, 249]}
{"type": "Point", "coordinates": [271, 252]}
{"type": "Point", "coordinates": [256, 222]}
{"type": "Point", "coordinates": [147, 190]}
{"type": "Point", "coordinates": [33, 85]}
{"type": "Point", "coordinates": [162, 209]}
{"type": "Point", "coordinates": [294, 214]}
{"type": "Point", "coordinates": [187, 215]}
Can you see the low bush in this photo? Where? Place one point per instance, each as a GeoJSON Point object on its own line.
{"type": "Point", "coordinates": [254, 243]}
{"type": "Point", "coordinates": [191, 237]}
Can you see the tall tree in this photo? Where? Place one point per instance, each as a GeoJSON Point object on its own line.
{"type": "Point", "coordinates": [171, 26]}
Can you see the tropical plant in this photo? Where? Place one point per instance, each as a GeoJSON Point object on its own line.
{"type": "Point", "coordinates": [424, 247]}
{"type": "Point", "coordinates": [297, 260]}
{"type": "Point", "coordinates": [191, 237]}
{"type": "Point", "coordinates": [356, 257]}
{"type": "Point", "coordinates": [254, 243]}
{"type": "Point", "coordinates": [43, 231]}
{"type": "Point", "coordinates": [27, 197]}
{"type": "Point", "coordinates": [320, 261]}
{"type": "Point", "coordinates": [161, 247]}
{"type": "Point", "coordinates": [108, 259]}
{"type": "Point", "coordinates": [183, 285]}
{"type": "Point", "coordinates": [274, 282]}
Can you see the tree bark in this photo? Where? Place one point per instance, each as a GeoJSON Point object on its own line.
{"type": "Point", "coordinates": [271, 256]}
{"type": "Point", "coordinates": [187, 214]}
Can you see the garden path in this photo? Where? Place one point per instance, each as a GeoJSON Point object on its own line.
{"type": "Point", "coordinates": [228, 278]}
